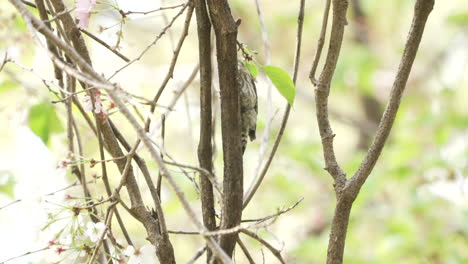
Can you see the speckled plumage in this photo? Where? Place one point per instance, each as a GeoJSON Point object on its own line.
{"type": "Point", "coordinates": [248, 104]}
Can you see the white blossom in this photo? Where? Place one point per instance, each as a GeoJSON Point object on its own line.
{"type": "Point", "coordinates": [95, 230]}
{"type": "Point", "coordinates": [145, 254]}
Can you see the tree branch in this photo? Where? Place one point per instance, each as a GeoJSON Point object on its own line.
{"type": "Point", "coordinates": [272, 249]}
{"type": "Point", "coordinates": [347, 191]}
{"type": "Point", "coordinates": [321, 42]}
{"type": "Point", "coordinates": [323, 90]}
{"type": "Point", "coordinates": [226, 36]}
{"type": "Point", "coordinates": [205, 149]}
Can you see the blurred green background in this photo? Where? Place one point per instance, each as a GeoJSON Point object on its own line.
{"type": "Point", "coordinates": [412, 209]}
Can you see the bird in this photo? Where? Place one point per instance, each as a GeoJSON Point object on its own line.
{"type": "Point", "coordinates": [248, 104]}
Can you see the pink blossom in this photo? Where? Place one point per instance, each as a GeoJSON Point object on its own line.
{"type": "Point", "coordinates": [98, 105]}
{"type": "Point", "coordinates": [98, 108]}
{"type": "Point", "coordinates": [63, 163]}
{"type": "Point", "coordinates": [83, 8]}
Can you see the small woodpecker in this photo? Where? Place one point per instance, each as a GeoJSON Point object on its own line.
{"type": "Point", "coordinates": [248, 104]}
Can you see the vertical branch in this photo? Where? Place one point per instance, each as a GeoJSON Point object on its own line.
{"type": "Point", "coordinates": [226, 35]}
{"type": "Point", "coordinates": [323, 90]}
{"type": "Point", "coordinates": [339, 228]}
{"type": "Point", "coordinates": [205, 150]}
{"type": "Point", "coordinates": [163, 146]}
{"type": "Point", "coordinates": [347, 190]}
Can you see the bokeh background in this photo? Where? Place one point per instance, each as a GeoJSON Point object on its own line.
{"type": "Point", "coordinates": [412, 209]}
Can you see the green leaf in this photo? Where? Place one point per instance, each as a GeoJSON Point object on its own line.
{"type": "Point", "coordinates": [251, 68]}
{"type": "Point", "coordinates": [43, 121]}
{"type": "Point", "coordinates": [282, 81]}
{"type": "Point", "coordinates": [19, 24]}
{"type": "Point", "coordinates": [7, 183]}
{"type": "Point", "coordinates": [459, 18]}
{"type": "Point", "coordinates": [7, 85]}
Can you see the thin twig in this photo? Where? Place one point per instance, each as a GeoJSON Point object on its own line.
{"type": "Point", "coordinates": [151, 11]}
{"type": "Point", "coordinates": [272, 249]}
{"type": "Point", "coordinates": [76, 183]}
{"type": "Point", "coordinates": [108, 221]}
{"type": "Point", "coordinates": [11, 203]}
{"type": "Point", "coordinates": [175, 56]}
{"type": "Point", "coordinates": [58, 15]}
{"type": "Point", "coordinates": [320, 43]}
{"type": "Point", "coordinates": [198, 254]}
{"type": "Point", "coordinates": [70, 95]}
{"type": "Point", "coordinates": [164, 30]}
{"type": "Point", "coordinates": [5, 61]}
{"type": "Point", "coordinates": [211, 177]}
{"type": "Point", "coordinates": [98, 40]}
{"type": "Point", "coordinates": [25, 254]}
{"type": "Point", "coordinates": [263, 219]}
{"type": "Point", "coordinates": [245, 250]}
{"type": "Point", "coordinates": [163, 146]}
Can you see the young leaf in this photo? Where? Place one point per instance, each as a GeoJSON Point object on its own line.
{"type": "Point", "coordinates": [7, 183]}
{"type": "Point", "coordinates": [43, 121]}
{"type": "Point", "coordinates": [7, 85]}
{"type": "Point", "coordinates": [251, 68]}
{"type": "Point", "coordinates": [282, 81]}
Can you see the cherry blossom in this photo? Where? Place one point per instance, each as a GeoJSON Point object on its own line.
{"type": "Point", "coordinates": [95, 230]}
{"type": "Point", "coordinates": [98, 108]}
{"type": "Point", "coordinates": [88, 107]}
{"type": "Point", "coordinates": [63, 163]}
{"type": "Point", "coordinates": [83, 8]}
{"type": "Point", "coordinates": [145, 254]}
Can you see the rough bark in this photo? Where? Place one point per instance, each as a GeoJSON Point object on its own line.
{"type": "Point", "coordinates": [347, 190]}
{"type": "Point", "coordinates": [226, 35]}
{"type": "Point", "coordinates": [205, 149]}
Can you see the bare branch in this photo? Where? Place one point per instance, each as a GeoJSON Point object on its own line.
{"type": "Point", "coordinates": [205, 148]}
{"type": "Point", "coordinates": [347, 191]}
{"type": "Point", "coordinates": [25, 254]}
{"type": "Point", "coordinates": [263, 219]}
{"type": "Point", "coordinates": [272, 249]}
{"type": "Point", "coordinates": [226, 35]}
{"type": "Point", "coordinates": [245, 250]}
{"type": "Point", "coordinates": [124, 14]}
{"type": "Point", "coordinates": [107, 221]}
{"type": "Point", "coordinates": [323, 89]}
{"type": "Point", "coordinates": [198, 254]}
{"type": "Point", "coordinates": [320, 43]}
{"type": "Point", "coordinates": [164, 30]}
{"type": "Point", "coordinates": [98, 40]}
